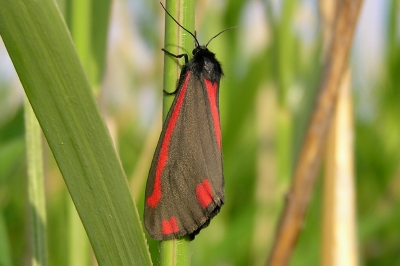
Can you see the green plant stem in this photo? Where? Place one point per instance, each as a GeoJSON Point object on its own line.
{"type": "Point", "coordinates": [177, 41]}
{"type": "Point", "coordinates": [285, 42]}
{"type": "Point", "coordinates": [37, 198]}
{"type": "Point", "coordinates": [175, 252]}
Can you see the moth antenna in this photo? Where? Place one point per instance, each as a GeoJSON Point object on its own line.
{"type": "Point", "coordinates": [195, 35]}
{"type": "Point", "coordinates": [234, 27]}
{"type": "Point", "coordinates": [197, 42]}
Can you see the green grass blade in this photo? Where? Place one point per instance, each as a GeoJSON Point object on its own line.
{"type": "Point", "coordinates": [43, 55]}
{"type": "Point", "coordinates": [37, 198]}
{"type": "Point", "coordinates": [89, 27]}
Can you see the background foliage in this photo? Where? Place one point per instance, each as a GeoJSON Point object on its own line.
{"type": "Point", "coordinates": [272, 64]}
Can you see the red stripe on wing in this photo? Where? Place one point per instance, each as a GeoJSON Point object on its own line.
{"type": "Point", "coordinates": [155, 197]}
{"type": "Point", "coordinates": [169, 226]}
{"type": "Point", "coordinates": [204, 193]}
{"type": "Point", "coordinates": [212, 91]}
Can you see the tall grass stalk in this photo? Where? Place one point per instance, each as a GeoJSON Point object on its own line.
{"type": "Point", "coordinates": [177, 41]}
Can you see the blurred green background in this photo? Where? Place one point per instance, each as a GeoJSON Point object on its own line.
{"type": "Point", "coordinates": [272, 65]}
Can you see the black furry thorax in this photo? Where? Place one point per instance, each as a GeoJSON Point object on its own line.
{"type": "Point", "coordinates": [204, 63]}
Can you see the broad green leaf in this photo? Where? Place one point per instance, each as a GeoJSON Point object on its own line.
{"type": "Point", "coordinates": [44, 57]}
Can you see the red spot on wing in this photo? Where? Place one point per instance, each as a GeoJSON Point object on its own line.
{"type": "Point", "coordinates": [155, 197]}
{"type": "Point", "coordinates": [212, 91]}
{"type": "Point", "coordinates": [169, 226]}
{"type": "Point", "coordinates": [204, 193]}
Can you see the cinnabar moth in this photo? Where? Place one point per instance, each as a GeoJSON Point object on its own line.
{"type": "Point", "coordinates": [185, 187]}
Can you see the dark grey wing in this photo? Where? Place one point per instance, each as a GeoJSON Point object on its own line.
{"type": "Point", "coordinates": [192, 183]}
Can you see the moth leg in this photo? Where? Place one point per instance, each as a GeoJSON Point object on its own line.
{"type": "Point", "coordinates": [176, 56]}
{"type": "Point", "coordinates": [170, 93]}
